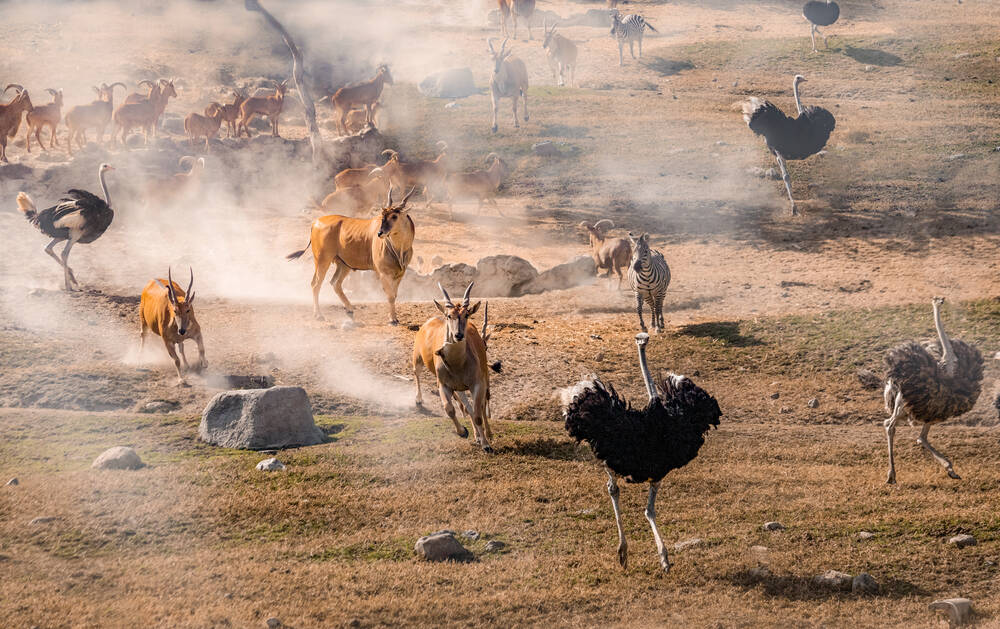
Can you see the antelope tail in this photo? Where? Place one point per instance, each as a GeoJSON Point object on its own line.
{"type": "Point", "coordinates": [27, 206]}
{"type": "Point", "coordinates": [295, 255]}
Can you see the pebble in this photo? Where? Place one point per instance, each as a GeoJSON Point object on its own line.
{"type": "Point", "coordinates": [270, 465]}
{"type": "Point", "coordinates": [865, 535]}
{"type": "Point", "coordinates": [13, 482]}
{"type": "Point", "coordinates": [494, 546]}
{"type": "Point", "coordinates": [773, 526]}
{"type": "Point", "coordinates": [963, 540]}
{"type": "Point", "coordinates": [775, 395]}
{"type": "Point", "coordinates": [812, 403]}
{"type": "Point", "coordinates": [272, 623]}
{"type": "Point", "coordinates": [864, 584]}
{"type": "Point", "coordinates": [688, 543]}
{"type": "Point", "coordinates": [470, 534]}
{"type": "Point", "coordinates": [599, 357]}
{"type": "Point", "coordinates": [42, 519]}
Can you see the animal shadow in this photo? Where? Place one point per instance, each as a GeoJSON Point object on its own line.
{"type": "Point", "coordinates": [668, 67]}
{"type": "Point", "coordinates": [873, 57]}
{"type": "Point", "coordinates": [726, 331]}
{"type": "Point", "coordinates": [799, 588]}
{"type": "Point", "coordinates": [546, 448]}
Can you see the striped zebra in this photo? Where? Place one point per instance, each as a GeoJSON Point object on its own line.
{"type": "Point", "coordinates": [628, 29]}
{"type": "Point", "coordinates": [649, 276]}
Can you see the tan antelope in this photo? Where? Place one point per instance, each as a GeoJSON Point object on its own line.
{"type": "Point", "coordinates": [383, 244]}
{"type": "Point", "coordinates": [364, 94]}
{"type": "Point", "coordinates": [453, 350]}
{"type": "Point", "coordinates": [10, 116]}
{"type": "Point", "coordinates": [523, 9]}
{"type": "Point", "coordinates": [612, 254]}
{"type": "Point", "coordinates": [163, 92]}
{"type": "Point", "coordinates": [42, 116]}
{"type": "Point", "coordinates": [167, 310]}
{"type": "Point", "coordinates": [509, 80]}
{"type": "Point", "coordinates": [480, 185]}
{"type": "Point", "coordinates": [503, 7]}
{"type": "Point", "coordinates": [353, 176]}
{"type": "Point", "coordinates": [561, 54]}
{"type": "Point", "coordinates": [231, 111]}
{"type": "Point", "coordinates": [95, 114]}
{"type": "Point", "coordinates": [423, 173]}
{"type": "Point", "coordinates": [207, 126]}
{"type": "Point", "coordinates": [269, 106]}
{"type": "Point", "coordinates": [356, 199]}
{"type": "Point", "coordinates": [143, 113]}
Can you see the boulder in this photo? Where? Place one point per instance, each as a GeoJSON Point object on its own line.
{"type": "Point", "coordinates": [834, 579]}
{"type": "Point", "coordinates": [962, 540]}
{"type": "Point", "coordinates": [117, 458]}
{"type": "Point", "coordinates": [257, 419]}
{"type": "Point", "coordinates": [442, 546]}
{"type": "Point", "coordinates": [452, 83]}
{"type": "Point", "coordinates": [864, 584]}
{"type": "Point", "coordinates": [453, 277]}
{"type": "Point", "coordinates": [773, 526]}
{"type": "Point", "coordinates": [959, 610]}
{"type": "Point", "coordinates": [494, 546]}
{"type": "Point", "coordinates": [503, 276]}
{"type": "Point", "coordinates": [579, 270]}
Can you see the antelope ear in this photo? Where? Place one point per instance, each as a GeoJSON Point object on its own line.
{"type": "Point", "coordinates": [440, 307]}
{"type": "Point", "coordinates": [475, 308]}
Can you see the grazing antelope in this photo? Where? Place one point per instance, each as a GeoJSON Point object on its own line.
{"type": "Point", "coordinates": [480, 185]}
{"type": "Point", "coordinates": [95, 114]}
{"type": "Point", "coordinates": [453, 350]}
{"type": "Point", "coordinates": [509, 80]}
{"type": "Point", "coordinates": [364, 94]}
{"type": "Point", "coordinates": [561, 54]}
{"type": "Point", "coordinates": [10, 116]}
{"type": "Point", "coordinates": [269, 106]}
{"type": "Point", "coordinates": [613, 254]}
{"type": "Point", "coordinates": [383, 244]}
{"type": "Point", "coordinates": [425, 173]}
{"type": "Point", "coordinates": [167, 310]}
{"type": "Point", "coordinates": [44, 116]}
{"type": "Point", "coordinates": [231, 111]}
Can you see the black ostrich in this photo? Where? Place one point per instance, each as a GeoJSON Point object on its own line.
{"type": "Point", "coordinates": [79, 217]}
{"type": "Point", "coordinates": [820, 13]}
{"type": "Point", "coordinates": [641, 446]}
{"type": "Point", "coordinates": [789, 138]}
{"type": "Point", "coordinates": [928, 385]}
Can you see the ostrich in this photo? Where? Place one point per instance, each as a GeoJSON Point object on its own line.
{"type": "Point", "coordinates": [820, 13]}
{"type": "Point", "coordinates": [789, 138]}
{"type": "Point", "coordinates": [79, 217]}
{"type": "Point", "coordinates": [928, 386]}
{"type": "Point", "coordinates": [641, 446]}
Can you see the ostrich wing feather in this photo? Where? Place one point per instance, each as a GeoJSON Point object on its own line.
{"type": "Point", "coordinates": [929, 395]}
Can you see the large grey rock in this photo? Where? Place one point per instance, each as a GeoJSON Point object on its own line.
{"type": "Point", "coordinates": [117, 458]}
{"type": "Point", "coordinates": [774, 526]}
{"type": "Point", "coordinates": [453, 277]}
{"type": "Point", "coordinates": [256, 419]}
{"type": "Point", "coordinates": [503, 276]}
{"type": "Point", "coordinates": [452, 83]}
{"type": "Point", "coordinates": [864, 584]}
{"type": "Point", "coordinates": [958, 609]}
{"type": "Point", "coordinates": [834, 579]}
{"type": "Point", "coordinates": [579, 270]}
{"type": "Point", "coordinates": [442, 546]}
{"type": "Point", "coordinates": [962, 540]}
{"type": "Point", "coordinates": [270, 465]}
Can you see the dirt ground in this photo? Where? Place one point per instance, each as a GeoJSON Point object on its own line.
{"type": "Point", "coordinates": [766, 311]}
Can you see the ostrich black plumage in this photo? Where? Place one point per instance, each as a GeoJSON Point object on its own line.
{"type": "Point", "coordinates": [820, 13]}
{"type": "Point", "coordinates": [790, 138]}
{"type": "Point", "coordinates": [641, 446]}
{"type": "Point", "coordinates": [928, 385]}
{"type": "Point", "coordinates": [78, 217]}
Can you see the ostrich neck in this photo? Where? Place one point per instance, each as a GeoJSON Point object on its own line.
{"type": "Point", "coordinates": [947, 353]}
{"type": "Point", "coordinates": [798, 101]}
{"type": "Point", "coordinates": [104, 186]}
{"type": "Point", "coordinates": [646, 376]}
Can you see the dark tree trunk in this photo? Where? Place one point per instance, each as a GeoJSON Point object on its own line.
{"type": "Point", "coordinates": [304, 96]}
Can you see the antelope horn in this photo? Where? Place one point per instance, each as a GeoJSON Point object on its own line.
{"type": "Point", "coordinates": [468, 294]}
{"type": "Point", "coordinates": [186, 161]}
{"type": "Point", "coordinates": [442, 145]}
{"type": "Point", "coordinates": [112, 86]}
{"type": "Point", "coordinates": [489, 40]}
{"type": "Point", "coordinates": [598, 224]}
{"type": "Point", "coordinates": [147, 82]}
{"type": "Point", "coordinates": [170, 287]}
{"type": "Point", "coordinates": [51, 91]}
{"type": "Point", "coordinates": [408, 195]}
{"type": "Point", "coordinates": [19, 88]}
{"type": "Point", "coordinates": [447, 298]}
{"type": "Point", "coordinates": [190, 282]}
{"type": "Point", "coordinates": [388, 200]}
{"type": "Point", "coordinates": [493, 155]}
{"type": "Point", "coordinates": [584, 224]}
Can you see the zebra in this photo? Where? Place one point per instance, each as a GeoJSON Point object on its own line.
{"type": "Point", "coordinates": [628, 29]}
{"type": "Point", "coordinates": [649, 276]}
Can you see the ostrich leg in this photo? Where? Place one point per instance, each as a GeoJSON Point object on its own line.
{"type": "Point", "coordinates": [812, 32]}
{"type": "Point", "coordinates": [787, 180]}
{"type": "Point", "coordinates": [68, 272]}
{"type": "Point", "coordinates": [622, 544]}
{"type": "Point", "coordinates": [651, 516]}
{"type": "Point", "coordinates": [890, 433]}
{"type": "Point", "coordinates": [922, 440]}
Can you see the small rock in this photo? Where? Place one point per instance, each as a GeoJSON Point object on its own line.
{"type": "Point", "coordinates": [773, 526]}
{"type": "Point", "coordinates": [775, 395]}
{"type": "Point", "coordinates": [864, 584]}
{"type": "Point", "coordinates": [494, 545]}
{"type": "Point", "coordinates": [963, 540]}
{"type": "Point", "coordinates": [452, 105]}
{"type": "Point", "coordinates": [442, 546]}
{"type": "Point", "coordinates": [834, 579]}
{"type": "Point", "coordinates": [955, 156]}
{"type": "Point", "coordinates": [598, 337]}
{"type": "Point", "coordinates": [865, 535]}
{"type": "Point", "coordinates": [688, 543]}
{"type": "Point", "coordinates": [470, 534]}
{"type": "Point", "coordinates": [13, 482]}
{"type": "Point", "coordinates": [958, 609]}
{"type": "Point", "coordinates": [159, 406]}
{"type": "Point", "coordinates": [599, 357]}
{"type": "Point", "coordinates": [545, 149]}
{"type": "Point", "coordinates": [869, 68]}
{"type": "Point", "coordinates": [272, 623]}
{"type": "Point", "coordinates": [270, 465]}
{"type": "Point", "coordinates": [812, 403]}
{"type": "Point", "coordinates": [42, 519]}
{"type": "Point", "coordinates": [118, 458]}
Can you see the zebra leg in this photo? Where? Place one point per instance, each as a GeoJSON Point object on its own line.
{"type": "Point", "coordinates": [524, 97]}
{"type": "Point", "coordinates": [787, 180]}
{"type": "Point", "coordinates": [638, 310]}
{"type": "Point", "coordinates": [621, 60]}
{"type": "Point", "coordinates": [631, 47]}
{"type": "Point", "coordinates": [659, 315]}
{"type": "Point", "coordinates": [640, 44]}
{"type": "Point", "coordinates": [922, 440]}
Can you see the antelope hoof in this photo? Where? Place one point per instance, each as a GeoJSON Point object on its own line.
{"type": "Point", "coordinates": [464, 434]}
{"type": "Point", "coordinates": [488, 449]}
{"type": "Point", "coordinates": [317, 316]}
{"type": "Point", "coordinates": [181, 382]}
{"type": "Point", "coordinates": [494, 129]}
{"type": "Point", "coordinates": [952, 474]}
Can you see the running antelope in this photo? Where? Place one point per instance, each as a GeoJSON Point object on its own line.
{"type": "Point", "coordinates": [166, 310]}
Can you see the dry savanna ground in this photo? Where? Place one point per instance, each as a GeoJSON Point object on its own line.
{"type": "Point", "coordinates": [766, 311]}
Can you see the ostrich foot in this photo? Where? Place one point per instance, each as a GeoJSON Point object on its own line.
{"type": "Point", "coordinates": [891, 479]}
{"type": "Point", "coordinates": [623, 555]}
{"type": "Point", "coordinates": [664, 562]}
{"type": "Point", "coordinates": [952, 474]}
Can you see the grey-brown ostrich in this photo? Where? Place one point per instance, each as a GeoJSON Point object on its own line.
{"type": "Point", "coordinates": [928, 385]}
{"type": "Point", "coordinates": [642, 446]}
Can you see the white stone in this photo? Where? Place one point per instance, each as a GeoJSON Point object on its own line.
{"type": "Point", "coordinates": [118, 458]}
{"type": "Point", "coordinates": [962, 540]}
{"type": "Point", "coordinates": [773, 526]}
{"type": "Point", "coordinates": [270, 465]}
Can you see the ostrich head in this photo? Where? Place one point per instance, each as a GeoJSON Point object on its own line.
{"type": "Point", "coordinates": [937, 302]}
{"type": "Point", "coordinates": [105, 168]}
{"type": "Point", "coordinates": [798, 79]}
{"type": "Point", "coordinates": [456, 317]}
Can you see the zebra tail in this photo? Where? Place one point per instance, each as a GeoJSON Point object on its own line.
{"type": "Point", "coordinates": [650, 26]}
